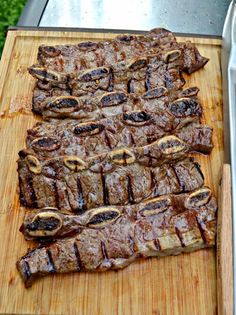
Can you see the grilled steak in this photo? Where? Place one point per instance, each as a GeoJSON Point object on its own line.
{"type": "Point", "coordinates": [73, 58]}
{"type": "Point", "coordinates": [118, 177]}
{"type": "Point", "coordinates": [67, 137]}
{"type": "Point", "coordinates": [113, 237]}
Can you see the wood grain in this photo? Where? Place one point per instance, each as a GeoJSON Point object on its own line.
{"type": "Point", "coordinates": [224, 246]}
{"type": "Point", "coordinates": [180, 285]}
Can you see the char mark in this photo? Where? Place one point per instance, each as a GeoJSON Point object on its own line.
{"type": "Point", "coordinates": [178, 233]}
{"type": "Point", "coordinates": [157, 244]}
{"type": "Point", "coordinates": [199, 169]}
{"type": "Point", "coordinates": [77, 256]}
{"type": "Point", "coordinates": [107, 140]}
{"type": "Point", "coordinates": [181, 185]}
{"type": "Point", "coordinates": [106, 201]}
{"type": "Point", "coordinates": [104, 251]}
{"type": "Point", "coordinates": [82, 204]}
{"type": "Point", "coordinates": [51, 266]}
{"type": "Point", "coordinates": [130, 190]}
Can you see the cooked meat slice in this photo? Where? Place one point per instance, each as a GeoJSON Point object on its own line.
{"type": "Point", "coordinates": [122, 176]}
{"type": "Point", "coordinates": [177, 103]}
{"type": "Point", "coordinates": [113, 237]}
{"type": "Point", "coordinates": [72, 58]}
{"type": "Point", "coordinates": [67, 137]}
{"type": "Point", "coordinates": [136, 77]}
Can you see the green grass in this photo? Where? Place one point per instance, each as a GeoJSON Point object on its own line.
{"type": "Point", "coordinates": [10, 11]}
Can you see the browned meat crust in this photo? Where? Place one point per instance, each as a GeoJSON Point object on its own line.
{"type": "Point", "coordinates": [113, 237]}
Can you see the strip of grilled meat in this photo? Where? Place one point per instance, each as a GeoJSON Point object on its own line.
{"type": "Point", "coordinates": [113, 237]}
{"type": "Point", "coordinates": [73, 58]}
{"type": "Point", "coordinates": [121, 176]}
{"type": "Point", "coordinates": [68, 137]}
{"type": "Point", "coordinates": [178, 103]}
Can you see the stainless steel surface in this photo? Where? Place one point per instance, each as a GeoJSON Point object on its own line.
{"type": "Point", "coordinates": [32, 13]}
{"type": "Point", "coordinates": [182, 16]}
{"type": "Point", "coordinates": [229, 89]}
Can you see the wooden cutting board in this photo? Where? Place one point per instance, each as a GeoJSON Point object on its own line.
{"type": "Point", "coordinates": [182, 285]}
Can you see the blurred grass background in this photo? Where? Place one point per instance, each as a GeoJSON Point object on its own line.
{"type": "Point", "coordinates": [10, 11]}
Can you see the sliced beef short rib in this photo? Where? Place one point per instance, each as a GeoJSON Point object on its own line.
{"type": "Point", "coordinates": [113, 237]}
{"type": "Point", "coordinates": [122, 176]}
{"type": "Point", "coordinates": [85, 55]}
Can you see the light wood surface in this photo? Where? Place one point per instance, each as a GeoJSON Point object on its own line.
{"type": "Point", "coordinates": [183, 285]}
{"type": "Point", "coordinates": [224, 246]}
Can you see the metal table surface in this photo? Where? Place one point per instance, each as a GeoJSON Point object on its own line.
{"type": "Point", "coordinates": [181, 16]}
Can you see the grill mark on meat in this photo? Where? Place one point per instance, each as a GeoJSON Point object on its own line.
{"type": "Point", "coordinates": [32, 194]}
{"type": "Point", "coordinates": [51, 265]}
{"type": "Point", "coordinates": [131, 242]}
{"type": "Point", "coordinates": [157, 244]}
{"type": "Point", "coordinates": [111, 81]}
{"type": "Point", "coordinates": [81, 201]}
{"type": "Point", "coordinates": [198, 168]}
{"type": "Point", "coordinates": [182, 186]}
{"type": "Point", "coordinates": [105, 190]}
{"type": "Point", "coordinates": [56, 195]}
{"type": "Point", "coordinates": [104, 251]}
{"type": "Point", "coordinates": [178, 233]}
{"type": "Point", "coordinates": [77, 256]}
{"type": "Point", "coordinates": [130, 190]}
{"type": "Point", "coordinates": [107, 140]}
{"type": "Point", "coordinates": [147, 80]}
{"type": "Point", "coordinates": [201, 230]}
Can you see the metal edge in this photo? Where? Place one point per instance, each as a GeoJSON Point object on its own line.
{"type": "Point", "coordinates": [32, 13]}
{"type": "Point", "coordinates": [102, 30]}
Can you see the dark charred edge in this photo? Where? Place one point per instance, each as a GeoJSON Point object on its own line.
{"type": "Point", "coordinates": [81, 201]}
{"type": "Point", "coordinates": [51, 264]}
{"type": "Point", "coordinates": [157, 244]}
{"type": "Point", "coordinates": [104, 251]}
{"type": "Point", "coordinates": [24, 269]}
{"type": "Point", "coordinates": [199, 224]}
{"type": "Point", "coordinates": [106, 200]}
{"type": "Point", "coordinates": [111, 81]}
{"type": "Point", "coordinates": [56, 195]}
{"type": "Point", "coordinates": [197, 165]}
{"type": "Point", "coordinates": [153, 180]}
{"type": "Point", "coordinates": [147, 79]}
{"type": "Point", "coordinates": [182, 186]}
{"type": "Point", "coordinates": [130, 190]}
{"type": "Point", "coordinates": [107, 140]}
{"type": "Point", "coordinates": [77, 256]}
{"type": "Point", "coordinates": [21, 194]}
{"type": "Point", "coordinates": [132, 141]}
{"type": "Point", "coordinates": [178, 233]}
{"type": "Point", "coordinates": [32, 194]}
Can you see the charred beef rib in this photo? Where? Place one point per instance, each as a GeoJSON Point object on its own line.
{"type": "Point", "coordinates": [178, 103]}
{"type": "Point", "coordinates": [121, 176]}
{"type": "Point", "coordinates": [113, 237]}
{"type": "Point", "coordinates": [68, 137]}
{"type": "Point", "coordinates": [85, 55]}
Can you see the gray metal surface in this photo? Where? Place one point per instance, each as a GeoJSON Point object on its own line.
{"type": "Point", "coordinates": [182, 16]}
{"type": "Point", "coordinates": [32, 13]}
